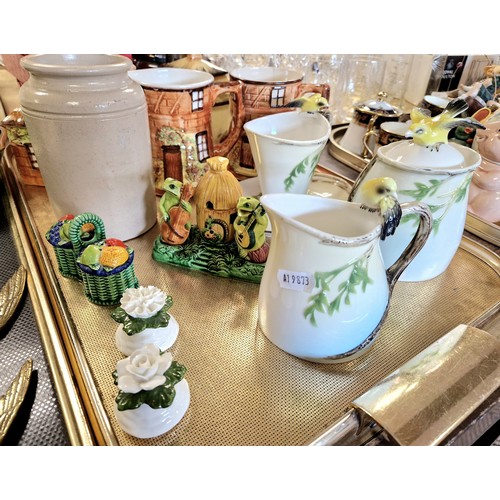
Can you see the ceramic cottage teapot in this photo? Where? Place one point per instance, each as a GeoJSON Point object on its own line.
{"type": "Point", "coordinates": [324, 293]}
{"type": "Point", "coordinates": [435, 173]}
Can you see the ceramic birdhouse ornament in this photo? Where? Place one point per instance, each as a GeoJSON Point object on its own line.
{"type": "Point", "coordinates": [217, 195]}
{"type": "Point", "coordinates": [432, 171]}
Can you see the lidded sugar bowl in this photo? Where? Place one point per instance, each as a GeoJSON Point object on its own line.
{"type": "Point", "coordinates": [368, 115]}
{"type": "Point", "coordinates": [437, 174]}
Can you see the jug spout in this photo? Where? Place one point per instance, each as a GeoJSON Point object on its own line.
{"type": "Point", "coordinates": [328, 221]}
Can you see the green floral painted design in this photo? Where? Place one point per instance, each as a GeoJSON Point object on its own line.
{"type": "Point", "coordinates": [358, 277]}
{"type": "Point", "coordinates": [160, 397]}
{"type": "Point", "coordinates": [422, 191]}
{"type": "Point", "coordinates": [306, 166]}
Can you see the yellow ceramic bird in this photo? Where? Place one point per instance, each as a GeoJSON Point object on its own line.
{"type": "Point", "coordinates": [310, 103]}
{"type": "Point", "coordinates": [430, 131]}
{"type": "Point", "coordinates": [379, 195]}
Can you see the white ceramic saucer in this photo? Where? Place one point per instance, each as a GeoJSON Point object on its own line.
{"type": "Point", "coordinates": [324, 185]}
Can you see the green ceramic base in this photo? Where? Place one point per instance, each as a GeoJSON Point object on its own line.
{"type": "Point", "coordinates": [221, 259]}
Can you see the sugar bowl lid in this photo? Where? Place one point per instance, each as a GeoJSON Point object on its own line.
{"type": "Point", "coordinates": [379, 107]}
{"type": "Point", "coordinates": [450, 158]}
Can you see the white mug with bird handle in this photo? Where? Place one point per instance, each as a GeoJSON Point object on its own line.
{"type": "Point", "coordinates": [325, 293]}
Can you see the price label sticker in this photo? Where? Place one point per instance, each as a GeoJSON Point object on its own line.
{"type": "Point", "coordinates": [293, 280]}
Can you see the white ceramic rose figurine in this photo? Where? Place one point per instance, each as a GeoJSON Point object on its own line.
{"type": "Point", "coordinates": [153, 394]}
{"type": "Point", "coordinates": [144, 319]}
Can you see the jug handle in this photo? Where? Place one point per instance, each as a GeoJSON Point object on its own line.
{"type": "Point", "coordinates": [234, 87]}
{"type": "Point", "coordinates": [422, 234]}
{"type": "Point", "coordinates": [322, 88]}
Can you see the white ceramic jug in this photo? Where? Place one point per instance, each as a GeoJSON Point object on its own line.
{"type": "Point", "coordinates": [325, 292]}
{"type": "Point", "coordinates": [440, 178]}
{"type": "Point", "coordinates": [89, 128]}
{"type": "Point", "coordinates": [286, 148]}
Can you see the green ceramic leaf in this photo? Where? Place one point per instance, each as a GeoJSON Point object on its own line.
{"type": "Point", "coordinates": [132, 326]}
{"type": "Point", "coordinates": [160, 397]}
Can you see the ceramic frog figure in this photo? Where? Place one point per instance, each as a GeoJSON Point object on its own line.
{"type": "Point", "coordinates": [175, 211]}
{"type": "Point", "coordinates": [250, 227]}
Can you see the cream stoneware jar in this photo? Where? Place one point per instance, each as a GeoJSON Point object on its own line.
{"type": "Point", "coordinates": [440, 178]}
{"type": "Point", "coordinates": [325, 293]}
{"type": "Point", "coordinates": [88, 124]}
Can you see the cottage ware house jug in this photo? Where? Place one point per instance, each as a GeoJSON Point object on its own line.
{"type": "Point", "coordinates": [439, 177]}
{"type": "Point", "coordinates": [325, 293]}
{"type": "Point", "coordinates": [88, 125]}
{"type": "Point", "coordinates": [180, 104]}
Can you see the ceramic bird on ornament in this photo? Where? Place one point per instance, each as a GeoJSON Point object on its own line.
{"type": "Point", "coordinates": [432, 132]}
{"type": "Point", "coordinates": [175, 211]}
{"type": "Point", "coordinates": [250, 229]}
{"type": "Point", "coordinates": [379, 195]}
{"type": "Point", "coordinates": [311, 102]}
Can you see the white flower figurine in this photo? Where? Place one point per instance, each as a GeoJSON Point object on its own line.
{"type": "Point", "coordinates": [143, 370]}
{"type": "Point", "coordinates": [143, 302]}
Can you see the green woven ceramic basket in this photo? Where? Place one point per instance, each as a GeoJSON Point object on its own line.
{"type": "Point", "coordinates": [108, 290]}
{"type": "Point", "coordinates": [67, 253]}
{"type": "Point", "coordinates": [66, 263]}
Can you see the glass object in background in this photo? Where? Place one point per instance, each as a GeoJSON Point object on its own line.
{"type": "Point", "coordinates": [396, 75]}
{"type": "Point", "coordinates": [361, 79]}
{"type": "Point", "coordinates": [475, 68]}
{"type": "Point", "coordinates": [327, 68]}
{"type": "Point", "coordinates": [446, 73]}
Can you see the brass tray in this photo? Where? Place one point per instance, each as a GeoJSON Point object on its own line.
{"type": "Point", "coordinates": [486, 230]}
{"type": "Point", "coordinates": [344, 155]}
{"type": "Point", "coordinates": [244, 390]}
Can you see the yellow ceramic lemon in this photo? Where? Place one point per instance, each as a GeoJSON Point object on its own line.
{"type": "Point", "coordinates": [113, 256]}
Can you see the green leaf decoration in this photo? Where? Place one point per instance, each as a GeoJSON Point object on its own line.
{"type": "Point", "coordinates": [423, 190]}
{"type": "Point", "coordinates": [132, 326]}
{"type": "Point", "coordinates": [160, 397]}
{"type": "Point", "coordinates": [306, 166]}
{"type": "Point", "coordinates": [358, 277]}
